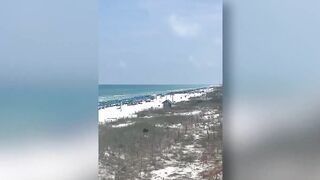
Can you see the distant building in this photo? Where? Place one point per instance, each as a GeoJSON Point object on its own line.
{"type": "Point", "coordinates": [167, 104]}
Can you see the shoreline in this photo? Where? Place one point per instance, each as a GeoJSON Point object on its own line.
{"type": "Point", "coordinates": [143, 97]}
{"type": "Point", "coordinates": [113, 113]}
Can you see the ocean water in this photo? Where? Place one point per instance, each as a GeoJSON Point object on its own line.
{"type": "Point", "coordinates": [114, 94]}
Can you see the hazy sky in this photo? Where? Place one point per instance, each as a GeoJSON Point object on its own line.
{"type": "Point", "coordinates": [160, 42]}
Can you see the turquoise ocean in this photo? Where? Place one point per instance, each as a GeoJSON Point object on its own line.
{"type": "Point", "coordinates": [110, 95]}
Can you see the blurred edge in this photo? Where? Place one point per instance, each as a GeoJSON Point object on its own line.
{"type": "Point", "coordinates": [48, 90]}
{"type": "Point", "coordinates": [271, 61]}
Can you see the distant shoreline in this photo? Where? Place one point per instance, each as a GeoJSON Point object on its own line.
{"type": "Point", "coordinates": [140, 98]}
{"type": "Point", "coordinates": [112, 113]}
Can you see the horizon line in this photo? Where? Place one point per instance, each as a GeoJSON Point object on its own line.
{"type": "Point", "coordinates": [159, 84]}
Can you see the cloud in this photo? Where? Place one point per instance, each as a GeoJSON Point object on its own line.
{"type": "Point", "coordinates": [182, 28]}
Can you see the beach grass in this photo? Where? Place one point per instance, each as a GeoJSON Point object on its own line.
{"type": "Point", "coordinates": [141, 146]}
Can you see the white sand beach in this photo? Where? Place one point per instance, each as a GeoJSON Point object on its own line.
{"type": "Point", "coordinates": [113, 113]}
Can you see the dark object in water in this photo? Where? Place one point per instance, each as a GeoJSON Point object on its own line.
{"type": "Point", "coordinates": [128, 101]}
{"type": "Point", "coordinates": [145, 130]}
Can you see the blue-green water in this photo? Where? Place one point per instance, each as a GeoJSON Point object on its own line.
{"type": "Point", "coordinates": [114, 94]}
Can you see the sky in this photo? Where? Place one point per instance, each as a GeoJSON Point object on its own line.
{"type": "Point", "coordinates": [160, 42]}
